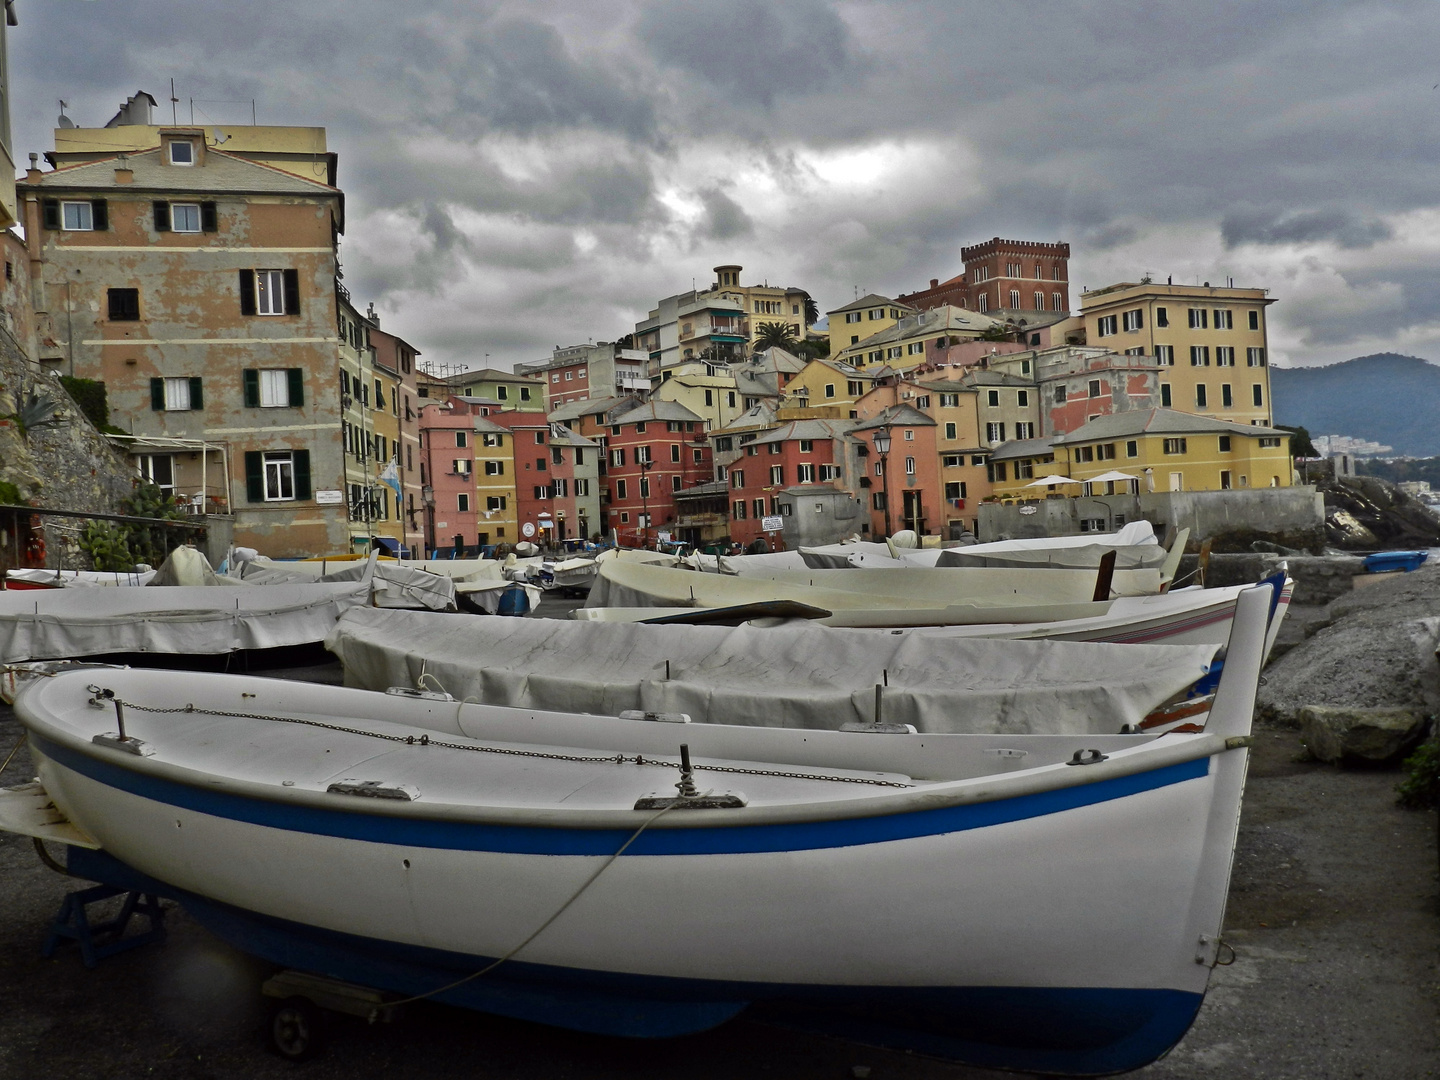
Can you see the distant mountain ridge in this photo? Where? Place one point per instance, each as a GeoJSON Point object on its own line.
{"type": "Point", "coordinates": [1387, 398]}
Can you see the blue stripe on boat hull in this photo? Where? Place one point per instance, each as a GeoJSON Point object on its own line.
{"type": "Point", "coordinates": [360, 823]}
{"type": "Point", "coordinates": [1067, 1031]}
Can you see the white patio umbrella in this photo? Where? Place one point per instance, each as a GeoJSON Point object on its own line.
{"type": "Point", "coordinates": [1113, 474]}
{"type": "Point", "coordinates": [1051, 480]}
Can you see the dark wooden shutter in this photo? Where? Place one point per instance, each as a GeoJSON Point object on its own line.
{"type": "Point", "coordinates": [197, 394]}
{"type": "Point", "coordinates": [252, 388]}
{"type": "Point", "coordinates": [51, 212]}
{"type": "Point", "coordinates": [247, 292]}
{"type": "Point", "coordinates": [296, 378]}
{"type": "Point", "coordinates": [157, 395]}
{"type": "Point", "coordinates": [254, 476]}
{"type": "Point", "coordinates": [99, 215]}
{"type": "Point", "coordinates": [302, 474]}
{"type": "Point", "coordinates": [162, 216]}
{"type": "Point", "coordinates": [209, 219]}
{"type": "Point", "coordinates": [292, 292]}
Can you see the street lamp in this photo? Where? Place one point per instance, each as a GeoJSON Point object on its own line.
{"type": "Point", "coordinates": [882, 447]}
{"type": "Point", "coordinates": [645, 467]}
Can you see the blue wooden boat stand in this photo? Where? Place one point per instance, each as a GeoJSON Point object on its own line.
{"type": "Point", "coordinates": [72, 923]}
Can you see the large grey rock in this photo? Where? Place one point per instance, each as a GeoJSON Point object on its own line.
{"type": "Point", "coordinates": [1361, 736]}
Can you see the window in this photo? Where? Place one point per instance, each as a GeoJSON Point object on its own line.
{"type": "Point", "coordinates": [125, 305]}
{"type": "Point", "coordinates": [730, 398]}
{"type": "Point", "coordinates": [992, 398]}
{"type": "Point", "coordinates": [1224, 473]}
{"type": "Point", "coordinates": [724, 443]}
{"type": "Point", "coordinates": [494, 468]}
{"type": "Point", "coordinates": [1199, 355]}
{"type": "Point", "coordinates": [950, 431]}
{"type": "Point", "coordinates": [176, 395]}
{"type": "Point", "coordinates": [182, 152]}
{"type": "Point", "coordinates": [1227, 399]}
{"type": "Point", "coordinates": [460, 466]}
{"type": "Point", "coordinates": [620, 489]}
{"type": "Point", "coordinates": [1024, 429]}
{"type": "Point", "coordinates": [1254, 320]}
{"type": "Point", "coordinates": [1199, 318]}
{"type": "Point", "coordinates": [909, 434]}
{"type": "Point", "coordinates": [271, 388]}
{"type": "Point", "coordinates": [1162, 317]}
{"type": "Point", "coordinates": [738, 511]}
{"type": "Point", "coordinates": [894, 354]}
{"type": "Point", "coordinates": [1165, 395]}
{"type": "Point", "coordinates": [644, 487]}
{"type": "Point", "coordinates": [1105, 326]}
{"type": "Point", "coordinates": [955, 491]}
{"type": "Point", "coordinates": [776, 448]}
{"type": "Point", "coordinates": [807, 473]}
{"type": "Point", "coordinates": [1133, 320]}
{"type": "Point", "coordinates": [159, 469]}
{"type": "Point", "coordinates": [185, 217]}
{"type": "Point", "coordinates": [1224, 356]}
{"type": "Point", "coordinates": [1084, 453]}
{"type": "Point", "coordinates": [1165, 355]}
{"type": "Point", "coordinates": [617, 458]}
{"type": "Point", "coordinates": [642, 455]}
{"type": "Point", "coordinates": [1200, 396]}
{"type": "Point", "coordinates": [1256, 397]}
{"type": "Point", "coordinates": [829, 472]}
{"type": "Point", "coordinates": [539, 464]}
{"type": "Point", "coordinates": [1132, 448]}
{"type": "Point", "coordinates": [675, 452]}
{"type": "Point", "coordinates": [1269, 442]}
{"type": "Point", "coordinates": [751, 450]}
{"type": "Point", "coordinates": [277, 475]}
{"type": "Point", "coordinates": [1105, 452]}
{"type": "Point", "coordinates": [1255, 357]}
{"type": "Point", "coordinates": [877, 500]}
{"type": "Point", "coordinates": [777, 474]}
{"type": "Point", "coordinates": [1014, 298]}
{"type": "Point", "coordinates": [977, 459]}
{"type": "Point", "coordinates": [1094, 388]}
{"type": "Point", "coordinates": [1039, 301]}
{"type": "Point", "coordinates": [914, 347]}
{"type": "Point", "coordinates": [1224, 319]}
{"type": "Point", "coordinates": [77, 216]}
{"type": "Point", "coordinates": [495, 502]}
{"type": "Point", "coordinates": [1224, 444]}
{"type": "Point", "coordinates": [503, 393]}
{"type": "Point", "coordinates": [949, 401]}
{"type": "Point", "coordinates": [1025, 470]}
{"type": "Point", "coordinates": [758, 505]}
{"type": "Point", "coordinates": [1174, 446]}
{"type": "Point", "coordinates": [1060, 395]}
{"type": "Point", "coordinates": [879, 468]}
{"type": "Point", "coordinates": [737, 478]}
{"type": "Point", "coordinates": [995, 433]}
{"type": "Point", "coordinates": [996, 469]}
{"type": "Point", "coordinates": [984, 303]}
{"type": "Point", "coordinates": [909, 466]}
{"type": "Point", "coordinates": [462, 502]}
{"type": "Point", "coordinates": [492, 439]}
{"type": "Point", "coordinates": [1057, 301]}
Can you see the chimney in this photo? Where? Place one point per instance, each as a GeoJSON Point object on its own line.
{"type": "Point", "coordinates": [33, 173]}
{"type": "Point", "coordinates": [934, 282]}
{"type": "Point", "coordinates": [123, 173]}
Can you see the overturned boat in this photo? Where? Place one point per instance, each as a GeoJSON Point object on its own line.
{"type": "Point", "coordinates": [959, 895]}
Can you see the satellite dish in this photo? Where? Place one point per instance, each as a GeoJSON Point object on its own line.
{"type": "Point", "coordinates": [220, 137]}
{"type": "Point", "coordinates": [64, 122]}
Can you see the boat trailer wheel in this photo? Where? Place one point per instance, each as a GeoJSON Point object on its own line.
{"type": "Point", "coordinates": [296, 1028]}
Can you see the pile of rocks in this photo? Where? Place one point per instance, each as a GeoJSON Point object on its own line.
{"type": "Point", "coordinates": [1366, 683]}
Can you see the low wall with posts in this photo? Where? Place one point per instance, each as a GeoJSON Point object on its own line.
{"type": "Point", "coordinates": [1293, 515]}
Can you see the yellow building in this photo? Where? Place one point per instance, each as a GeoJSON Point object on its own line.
{"type": "Point", "coordinates": [827, 383]}
{"type": "Point", "coordinates": [707, 390]}
{"type": "Point", "coordinates": [1176, 451]}
{"type": "Point", "coordinates": [866, 317]}
{"type": "Point", "coordinates": [914, 339]}
{"type": "Point", "coordinates": [1209, 343]}
{"type": "Point", "coordinates": [495, 481]}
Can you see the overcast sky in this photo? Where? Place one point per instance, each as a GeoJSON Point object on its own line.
{"type": "Point", "coordinates": [526, 174]}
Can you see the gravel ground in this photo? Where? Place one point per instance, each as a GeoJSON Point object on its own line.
{"type": "Point", "coordinates": [1334, 915]}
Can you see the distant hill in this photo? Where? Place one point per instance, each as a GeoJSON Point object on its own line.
{"type": "Point", "coordinates": [1388, 398]}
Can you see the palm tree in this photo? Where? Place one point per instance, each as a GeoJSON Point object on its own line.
{"type": "Point", "coordinates": [776, 335]}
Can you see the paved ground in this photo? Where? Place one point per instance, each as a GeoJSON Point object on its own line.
{"type": "Point", "coordinates": [1333, 916]}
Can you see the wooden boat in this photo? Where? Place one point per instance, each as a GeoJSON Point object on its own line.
{"type": "Point", "coordinates": [959, 895]}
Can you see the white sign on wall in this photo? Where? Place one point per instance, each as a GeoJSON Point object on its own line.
{"type": "Point", "coordinates": [329, 497]}
{"type": "Point", "coordinates": [772, 524]}
{"type": "Point", "coordinates": [528, 529]}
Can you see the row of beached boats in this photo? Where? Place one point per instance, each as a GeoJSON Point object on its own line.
{"type": "Point", "coordinates": [980, 810]}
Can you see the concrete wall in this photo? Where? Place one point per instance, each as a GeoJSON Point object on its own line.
{"type": "Point", "coordinates": [1293, 511]}
{"type": "Point", "coordinates": [840, 516]}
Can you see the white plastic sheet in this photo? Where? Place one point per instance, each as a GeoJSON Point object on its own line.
{"type": "Point", "coordinates": [797, 676]}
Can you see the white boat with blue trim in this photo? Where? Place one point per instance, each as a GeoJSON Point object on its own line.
{"type": "Point", "coordinates": [1047, 903]}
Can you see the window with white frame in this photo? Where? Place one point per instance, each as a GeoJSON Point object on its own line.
{"type": "Point", "coordinates": [177, 395]}
{"type": "Point", "coordinates": [1039, 301]}
{"type": "Point", "coordinates": [1133, 320]}
{"type": "Point", "coordinates": [1024, 429]}
{"type": "Point", "coordinates": [1057, 301]}
{"type": "Point", "coordinates": [1254, 357]}
{"type": "Point", "coordinates": [777, 474]}
{"type": "Point", "coordinates": [269, 291]}
{"type": "Point", "coordinates": [495, 502]}
{"type": "Point", "coordinates": [909, 466]}
{"type": "Point", "coordinates": [1224, 356]}
{"type": "Point", "coordinates": [1224, 319]}
{"type": "Point", "coordinates": [462, 502]}
{"type": "Point", "coordinates": [1015, 298]}
{"type": "Point", "coordinates": [949, 401]}
{"type": "Point", "coordinates": [1199, 318]}
{"type": "Point", "coordinates": [1174, 446]}
{"type": "Point", "coordinates": [950, 430]}
{"type": "Point", "coordinates": [992, 398]}
{"type": "Point", "coordinates": [1105, 326]}
{"type": "Point", "coordinates": [829, 472]}
{"type": "Point", "coordinates": [1165, 355]}
{"type": "Point", "coordinates": [1199, 355]}
{"type": "Point", "coordinates": [185, 217]}
{"type": "Point", "coordinates": [494, 468]}
{"type": "Point", "coordinates": [460, 466]}
{"type": "Point", "coordinates": [279, 475]}
{"type": "Point", "coordinates": [274, 388]}
{"type": "Point", "coordinates": [909, 434]}
{"type": "Point", "coordinates": [995, 433]}
{"type": "Point", "coordinates": [182, 152]}
{"type": "Point", "coordinates": [805, 473]}
{"type": "Point", "coordinates": [77, 216]}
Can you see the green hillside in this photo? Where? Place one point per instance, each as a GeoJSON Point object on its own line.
{"type": "Point", "coordinates": [1387, 398]}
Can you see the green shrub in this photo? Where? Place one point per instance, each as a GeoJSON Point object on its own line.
{"type": "Point", "coordinates": [107, 546]}
{"type": "Point", "coordinates": [1420, 790]}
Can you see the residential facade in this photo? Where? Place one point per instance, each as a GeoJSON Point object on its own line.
{"type": "Point", "coordinates": [904, 481]}
{"type": "Point", "coordinates": [799, 454]}
{"type": "Point", "coordinates": [918, 339]}
{"type": "Point", "coordinates": [652, 451]}
{"type": "Point", "coordinates": [512, 391]}
{"type": "Point", "coordinates": [721, 322]}
{"type": "Point", "coordinates": [1015, 278]}
{"type": "Point", "coordinates": [862, 318]}
{"type": "Point", "coordinates": [581, 372]}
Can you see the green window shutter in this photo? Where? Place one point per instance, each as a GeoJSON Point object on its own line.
{"type": "Point", "coordinates": [296, 378]}
{"type": "Point", "coordinates": [292, 292]}
{"type": "Point", "coordinates": [51, 210]}
{"type": "Point", "coordinates": [209, 219]}
{"type": "Point", "coordinates": [99, 215]}
{"type": "Point", "coordinates": [302, 474]}
{"type": "Point", "coordinates": [252, 388]}
{"type": "Point", "coordinates": [254, 476]}
{"type": "Point", "coordinates": [162, 216]}
{"type": "Point", "coordinates": [247, 292]}
{"type": "Point", "coordinates": [157, 394]}
{"type": "Point", "coordinates": [197, 394]}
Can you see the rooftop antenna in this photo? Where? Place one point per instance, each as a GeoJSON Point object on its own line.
{"type": "Point", "coordinates": [174, 105]}
{"type": "Point", "coordinates": [64, 121]}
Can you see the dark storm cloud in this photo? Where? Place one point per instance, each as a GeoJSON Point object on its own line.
{"type": "Point", "coordinates": [725, 219]}
{"type": "Point", "coordinates": [754, 50]}
{"type": "Point", "coordinates": [1340, 227]}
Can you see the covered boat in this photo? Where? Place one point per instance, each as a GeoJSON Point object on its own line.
{"type": "Point", "coordinates": [959, 895]}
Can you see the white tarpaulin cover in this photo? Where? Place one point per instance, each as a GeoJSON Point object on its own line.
{"type": "Point", "coordinates": [1134, 545]}
{"type": "Point", "coordinates": [394, 584]}
{"type": "Point", "coordinates": [79, 578]}
{"type": "Point", "coordinates": [56, 624]}
{"type": "Point", "coordinates": [805, 676]}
